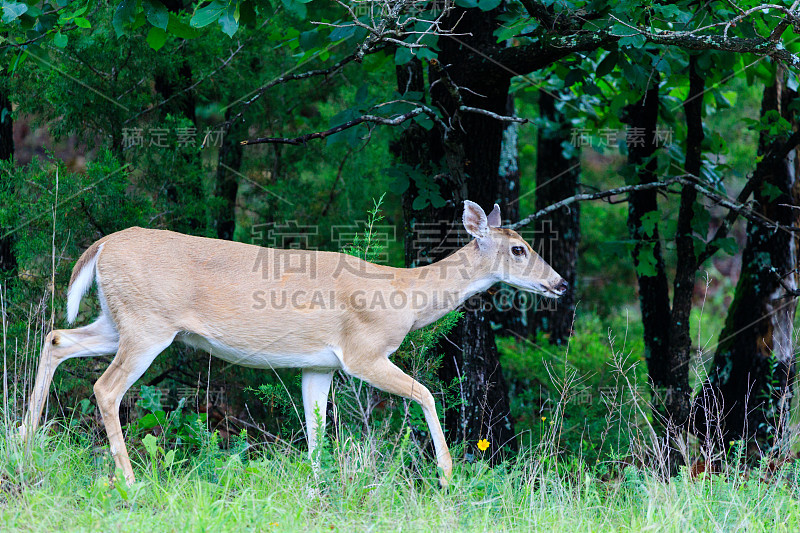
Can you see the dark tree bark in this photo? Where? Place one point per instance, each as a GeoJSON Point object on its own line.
{"type": "Point", "coordinates": [7, 260]}
{"type": "Point", "coordinates": [6, 128]}
{"type": "Point", "coordinates": [749, 390]}
{"type": "Point", "coordinates": [467, 166]}
{"type": "Point", "coordinates": [559, 232]}
{"type": "Point", "coordinates": [509, 173]}
{"type": "Point", "coordinates": [642, 118]}
{"type": "Point", "coordinates": [678, 397]}
{"type": "Point", "coordinates": [513, 308]}
{"type": "Point", "coordinates": [668, 376]}
{"type": "Point", "coordinates": [183, 104]}
{"type": "Point", "coordinates": [226, 187]}
{"type": "Point", "coordinates": [473, 162]}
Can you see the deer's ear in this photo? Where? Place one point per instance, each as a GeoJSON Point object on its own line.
{"type": "Point", "coordinates": [494, 217]}
{"type": "Point", "coordinates": [475, 221]}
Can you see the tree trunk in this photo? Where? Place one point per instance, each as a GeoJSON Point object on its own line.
{"type": "Point", "coordinates": [7, 260]}
{"type": "Point", "coordinates": [558, 233]}
{"type": "Point", "coordinates": [226, 187]}
{"type": "Point", "coordinates": [751, 380]}
{"type": "Point", "coordinates": [669, 378]}
{"type": "Point", "coordinates": [643, 205]}
{"type": "Point", "coordinates": [469, 169]}
{"type": "Point", "coordinates": [513, 308]}
{"type": "Point", "coordinates": [677, 400]}
{"type": "Point", "coordinates": [183, 104]}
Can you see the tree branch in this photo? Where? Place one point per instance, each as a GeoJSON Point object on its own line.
{"type": "Point", "coordinates": [495, 116]}
{"type": "Point", "coordinates": [686, 180]}
{"type": "Point", "coordinates": [287, 78]}
{"type": "Point", "coordinates": [752, 184]}
{"type": "Point", "coordinates": [384, 121]}
{"type": "Point", "coordinates": [557, 22]}
{"type": "Point", "coordinates": [519, 60]}
{"type": "Point", "coordinates": [374, 119]}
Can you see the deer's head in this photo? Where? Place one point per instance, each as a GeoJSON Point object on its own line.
{"type": "Point", "coordinates": [508, 257]}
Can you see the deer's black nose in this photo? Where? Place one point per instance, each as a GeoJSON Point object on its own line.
{"type": "Point", "coordinates": [562, 287]}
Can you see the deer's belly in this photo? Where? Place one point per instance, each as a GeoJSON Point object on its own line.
{"type": "Point", "coordinates": [265, 356]}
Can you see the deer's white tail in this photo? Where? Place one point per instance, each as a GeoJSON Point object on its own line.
{"type": "Point", "coordinates": [83, 275]}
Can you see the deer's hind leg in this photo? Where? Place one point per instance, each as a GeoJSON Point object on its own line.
{"type": "Point", "coordinates": [98, 338]}
{"type": "Point", "coordinates": [135, 355]}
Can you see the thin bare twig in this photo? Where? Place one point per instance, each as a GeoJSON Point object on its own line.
{"type": "Point", "coordinates": [363, 119]}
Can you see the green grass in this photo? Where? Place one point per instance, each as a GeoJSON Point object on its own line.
{"type": "Point", "coordinates": [62, 484]}
{"type": "Point", "coordinates": [582, 469]}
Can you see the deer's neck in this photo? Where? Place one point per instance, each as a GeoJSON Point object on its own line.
{"type": "Point", "coordinates": [443, 286]}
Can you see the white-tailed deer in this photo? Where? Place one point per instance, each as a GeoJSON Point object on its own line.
{"type": "Point", "coordinates": [269, 308]}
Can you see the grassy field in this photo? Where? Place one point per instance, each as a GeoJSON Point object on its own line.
{"type": "Point", "coordinates": [61, 483]}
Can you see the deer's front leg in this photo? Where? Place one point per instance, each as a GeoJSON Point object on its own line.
{"type": "Point", "coordinates": [386, 376]}
{"type": "Point", "coordinates": [316, 386]}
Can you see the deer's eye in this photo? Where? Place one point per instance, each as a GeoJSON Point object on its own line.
{"type": "Point", "coordinates": [518, 250]}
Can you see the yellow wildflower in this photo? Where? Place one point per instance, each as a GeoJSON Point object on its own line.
{"type": "Point", "coordinates": [483, 445]}
{"type": "Point", "coordinates": [544, 418]}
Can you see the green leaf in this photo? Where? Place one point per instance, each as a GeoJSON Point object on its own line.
{"type": "Point", "coordinates": [208, 14]}
{"type": "Point", "coordinates": [437, 201]}
{"type": "Point", "coordinates": [402, 56]}
{"type": "Point", "coordinates": [770, 191]}
{"type": "Point", "coordinates": [662, 65]}
{"type": "Point", "coordinates": [419, 203]}
{"type": "Point", "coordinates": [151, 445]}
{"type": "Point", "coordinates": [507, 31]}
{"type": "Point", "coordinates": [311, 39]}
{"type": "Point", "coordinates": [121, 486]}
{"type": "Point", "coordinates": [123, 16]}
{"type": "Point", "coordinates": [229, 21]}
{"type": "Point", "coordinates": [151, 398]}
{"type": "Point", "coordinates": [646, 261]}
{"type": "Point", "coordinates": [607, 64]}
{"type": "Point", "coordinates": [467, 4]}
{"type": "Point", "coordinates": [82, 22]}
{"type": "Point", "coordinates": [156, 38]}
{"type": "Point", "coordinates": [156, 14]}
{"type": "Point", "coordinates": [342, 32]}
{"type": "Point", "coordinates": [297, 8]}
{"type": "Point", "coordinates": [633, 41]}
{"type": "Point", "coordinates": [425, 53]}
{"type": "Point", "coordinates": [700, 219]}
{"type": "Point", "coordinates": [424, 121]}
{"type": "Point", "coordinates": [180, 29]}
{"type": "Point", "coordinates": [728, 245]}
{"type": "Point", "coordinates": [488, 5]}
{"type": "Point", "coordinates": [60, 40]}
{"type": "Point", "coordinates": [621, 30]}
{"type": "Point", "coordinates": [573, 76]}
{"type": "Point", "coordinates": [13, 10]}
{"type": "Point", "coordinates": [635, 74]}
{"type": "Point", "coordinates": [148, 421]}
{"type": "Point", "coordinates": [400, 183]}
{"type": "Point", "coordinates": [648, 223]}
{"type": "Point", "coordinates": [672, 12]}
